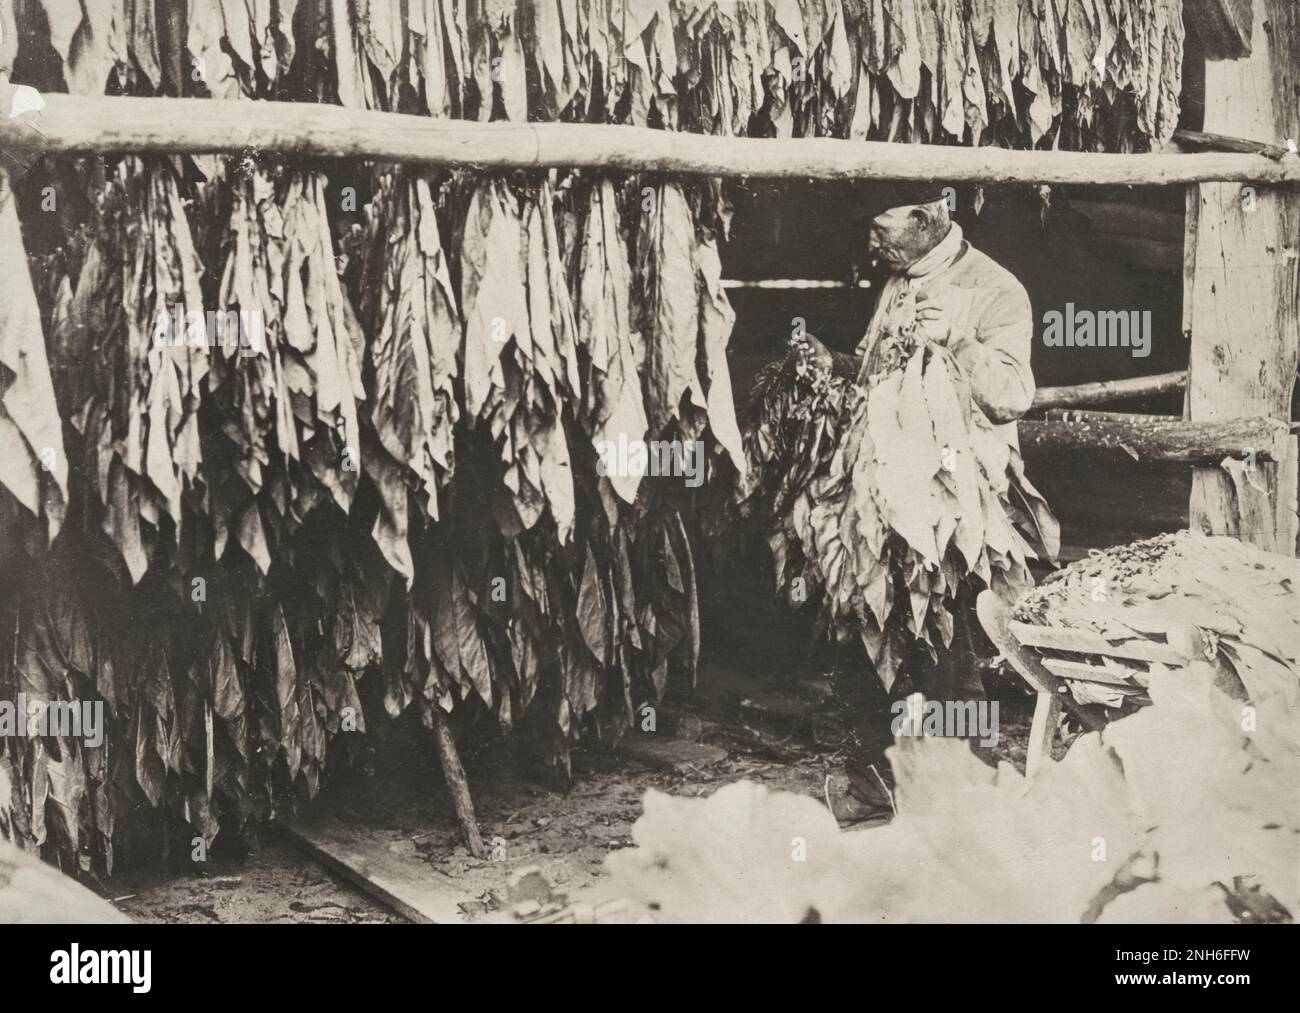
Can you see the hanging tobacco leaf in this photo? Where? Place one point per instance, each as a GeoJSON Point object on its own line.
{"type": "Point", "coordinates": [414, 328]}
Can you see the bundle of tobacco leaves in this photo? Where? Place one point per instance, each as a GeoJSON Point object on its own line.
{"type": "Point", "coordinates": [796, 418]}
{"type": "Point", "coordinates": [886, 497]}
{"type": "Point", "coordinates": [612, 349]}
{"type": "Point", "coordinates": [519, 352]}
{"type": "Point", "coordinates": [412, 316]}
{"type": "Point", "coordinates": [686, 321]}
{"type": "Point", "coordinates": [235, 631]}
{"type": "Point", "coordinates": [1207, 597]}
{"type": "Point", "coordinates": [262, 462]}
{"type": "Point", "coordinates": [132, 355]}
{"type": "Point", "coordinates": [1082, 74]}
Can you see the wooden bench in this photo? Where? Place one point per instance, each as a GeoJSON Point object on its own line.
{"type": "Point", "coordinates": [1033, 652]}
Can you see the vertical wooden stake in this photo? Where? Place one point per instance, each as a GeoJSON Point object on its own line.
{"type": "Point", "coordinates": [457, 786]}
{"type": "Point", "coordinates": [1241, 290]}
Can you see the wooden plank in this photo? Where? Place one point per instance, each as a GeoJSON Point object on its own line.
{"type": "Point", "coordinates": [1224, 26]}
{"type": "Point", "coordinates": [1156, 437]}
{"type": "Point", "coordinates": [1042, 732]}
{"type": "Point", "coordinates": [1121, 675]}
{"type": "Point", "coordinates": [103, 125]}
{"type": "Point", "coordinates": [1241, 302]}
{"type": "Point", "coordinates": [404, 883]}
{"type": "Point", "coordinates": [1061, 638]}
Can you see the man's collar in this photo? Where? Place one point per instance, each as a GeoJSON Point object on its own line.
{"type": "Point", "coordinates": [940, 256]}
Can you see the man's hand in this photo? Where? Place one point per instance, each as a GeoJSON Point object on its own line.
{"type": "Point", "coordinates": [933, 322]}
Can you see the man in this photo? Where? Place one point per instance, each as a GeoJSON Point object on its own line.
{"type": "Point", "coordinates": [961, 299]}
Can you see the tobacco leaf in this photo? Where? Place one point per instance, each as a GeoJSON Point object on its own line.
{"type": "Point", "coordinates": [415, 327]}
{"type": "Point", "coordinates": [35, 468]}
{"type": "Point", "coordinates": [668, 308]}
{"type": "Point", "coordinates": [613, 406]}
{"type": "Point", "coordinates": [716, 321]}
{"type": "Point", "coordinates": [288, 704]}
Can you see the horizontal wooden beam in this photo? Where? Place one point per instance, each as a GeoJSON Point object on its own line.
{"type": "Point", "coordinates": [1106, 391]}
{"type": "Point", "coordinates": [69, 125]}
{"type": "Point", "coordinates": [1155, 437]}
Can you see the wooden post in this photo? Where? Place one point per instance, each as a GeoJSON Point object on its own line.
{"type": "Point", "coordinates": [1241, 286]}
{"type": "Point", "coordinates": [457, 787]}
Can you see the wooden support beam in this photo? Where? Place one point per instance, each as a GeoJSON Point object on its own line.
{"type": "Point", "coordinates": [1106, 391]}
{"type": "Point", "coordinates": [82, 125]}
{"type": "Point", "coordinates": [1241, 290]}
{"type": "Point", "coordinates": [1199, 140]}
{"type": "Point", "coordinates": [1224, 26]}
{"type": "Point", "coordinates": [1158, 437]}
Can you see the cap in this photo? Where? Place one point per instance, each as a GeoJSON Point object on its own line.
{"type": "Point", "coordinates": [901, 194]}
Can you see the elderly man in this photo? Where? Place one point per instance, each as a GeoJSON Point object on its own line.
{"type": "Point", "coordinates": [962, 299]}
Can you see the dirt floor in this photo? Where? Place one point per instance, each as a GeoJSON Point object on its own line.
{"type": "Point", "coordinates": [782, 729]}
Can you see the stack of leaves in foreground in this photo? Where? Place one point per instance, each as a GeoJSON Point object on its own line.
{"type": "Point", "coordinates": [291, 515]}
{"type": "Point", "coordinates": [1172, 814]}
{"type": "Point", "coordinates": [886, 497]}
{"type": "Point", "coordinates": [1206, 597]}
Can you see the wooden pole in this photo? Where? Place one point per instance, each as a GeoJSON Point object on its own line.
{"type": "Point", "coordinates": [1201, 141]}
{"type": "Point", "coordinates": [1250, 442]}
{"type": "Point", "coordinates": [457, 786]}
{"type": "Point", "coordinates": [82, 125]}
{"type": "Point", "coordinates": [1104, 391]}
{"type": "Point", "coordinates": [1241, 290]}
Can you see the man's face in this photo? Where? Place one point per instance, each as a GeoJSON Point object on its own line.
{"type": "Point", "coordinates": [898, 236]}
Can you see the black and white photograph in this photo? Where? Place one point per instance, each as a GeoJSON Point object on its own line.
{"type": "Point", "coordinates": [528, 462]}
